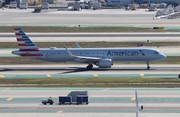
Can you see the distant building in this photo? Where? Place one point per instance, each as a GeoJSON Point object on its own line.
{"type": "Point", "coordinates": [49, 1]}
{"type": "Point", "coordinates": [157, 1]}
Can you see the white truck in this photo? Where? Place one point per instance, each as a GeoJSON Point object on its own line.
{"type": "Point", "coordinates": [23, 5]}
{"type": "Point", "coordinates": [13, 4]}
{"type": "Point", "coordinates": [45, 5]}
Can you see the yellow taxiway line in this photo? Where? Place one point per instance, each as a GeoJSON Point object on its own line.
{"type": "Point", "coordinates": [133, 98]}
{"type": "Point", "coordinates": [48, 75]}
{"type": "Point", "coordinates": [2, 76]}
{"type": "Point", "coordinates": [60, 111]}
{"type": "Point", "coordinates": [95, 75]}
{"type": "Point", "coordinates": [10, 98]}
{"type": "Point", "coordinates": [141, 75]}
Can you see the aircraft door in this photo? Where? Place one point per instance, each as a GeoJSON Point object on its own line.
{"type": "Point", "coordinates": [147, 53]}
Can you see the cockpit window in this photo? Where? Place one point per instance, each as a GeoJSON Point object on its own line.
{"type": "Point", "coordinates": [156, 52]}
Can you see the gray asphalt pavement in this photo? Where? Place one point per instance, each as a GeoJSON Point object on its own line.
{"type": "Point", "coordinates": [104, 102]}
{"type": "Point", "coordinates": [115, 17]}
{"type": "Point", "coordinates": [93, 37]}
{"type": "Point", "coordinates": [81, 69]}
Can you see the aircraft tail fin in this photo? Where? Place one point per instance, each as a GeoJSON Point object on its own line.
{"type": "Point", "coordinates": [137, 106]}
{"type": "Point", "coordinates": [24, 43]}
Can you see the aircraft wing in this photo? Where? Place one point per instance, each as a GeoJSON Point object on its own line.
{"type": "Point", "coordinates": [83, 58]}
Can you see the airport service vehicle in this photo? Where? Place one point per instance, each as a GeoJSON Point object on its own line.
{"type": "Point", "coordinates": [84, 6]}
{"type": "Point", "coordinates": [152, 9]}
{"type": "Point", "coordinates": [102, 57]}
{"type": "Point", "coordinates": [13, 4]}
{"type": "Point", "coordinates": [77, 97]}
{"type": "Point", "coordinates": [45, 5]}
{"type": "Point", "coordinates": [45, 101]}
{"type": "Point", "coordinates": [23, 5]}
{"type": "Point", "coordinates": [37, 10]}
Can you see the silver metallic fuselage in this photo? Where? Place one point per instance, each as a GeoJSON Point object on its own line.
{"type": "Point", "coordinates": [116, 54]}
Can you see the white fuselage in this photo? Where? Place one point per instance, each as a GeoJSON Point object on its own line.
{"type": "Point", "coordinates": [115, 54]}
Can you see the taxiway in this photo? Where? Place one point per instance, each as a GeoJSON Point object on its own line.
{"type": "Point", "coordinates": [104, 102]}
{"type": "Point", "coordinates": [79, 71]}
{"type": "Point", "coordinates": [111, 17]}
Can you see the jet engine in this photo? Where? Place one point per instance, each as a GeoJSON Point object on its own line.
{"type": "Point", "coordinates": [105, 63]}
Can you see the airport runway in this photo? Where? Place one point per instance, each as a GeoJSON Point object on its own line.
{"type": "Point", "coordinates": [104, 102]}
{"type": "Point", "coordinates": [108, 17]}
{"type": "Point", "coordinates": [79, 71]}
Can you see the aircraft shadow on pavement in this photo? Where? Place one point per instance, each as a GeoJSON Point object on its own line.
{"type": "Point", "coordinates": [72, 69]}
{"type": "Point", "coordinates": [76, 69]}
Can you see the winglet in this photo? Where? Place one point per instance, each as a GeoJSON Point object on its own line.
{"type": "Point", "coordinates": [137, 106]}
{"type": "Point", "coordinates": [69, 53]}
{"type": "Point", "coordinates": [77, 45]}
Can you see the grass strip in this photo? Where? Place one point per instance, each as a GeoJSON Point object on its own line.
{"type": "Point", "coordinates": [91, 82]}
{"type": "Point", "coordinates": [81, 29]}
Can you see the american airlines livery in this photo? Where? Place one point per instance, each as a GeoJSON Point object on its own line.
{"type": "Point", "coordinates": [102, 57]}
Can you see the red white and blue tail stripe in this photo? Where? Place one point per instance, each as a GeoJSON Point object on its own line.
{"type": "Point", "coordinates": [26, 46]}
{"type": "Point", "coordinates": [24, 43]}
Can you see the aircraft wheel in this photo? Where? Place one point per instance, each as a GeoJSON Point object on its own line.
{"type": "Point", "coordinates": [148, 67]}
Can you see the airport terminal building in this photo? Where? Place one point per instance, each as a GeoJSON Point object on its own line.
{"type": "Point", "coordinates": [157, 1]}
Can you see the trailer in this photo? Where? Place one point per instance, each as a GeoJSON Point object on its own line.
{"type": "Point", "coordinates": [80, 99]}
{"type": "Point", "coordinates": [74, 95]}
{"type": "Point", "coordinates": [65, 99]}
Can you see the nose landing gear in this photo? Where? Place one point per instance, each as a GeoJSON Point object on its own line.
{"type": "Point", "coordinates": [89, 67]}
{"type": "Point", "coordinates": [148, 67]}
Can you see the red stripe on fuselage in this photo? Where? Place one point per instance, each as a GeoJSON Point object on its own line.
{"type": "Point", "coordinates": [36, 49]}
{"type": "Point", "coordinates": [31, 55]}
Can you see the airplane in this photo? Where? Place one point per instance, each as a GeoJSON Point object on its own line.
{"type": "Point", "coordinates": [102, 57]}
{"type": "Point", "coordinates": [169, 16]}
{"type": "Point", "coordinates": [168, 13]}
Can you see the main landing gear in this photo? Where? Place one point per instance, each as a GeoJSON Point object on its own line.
{"type": "Point", "coordinates": [148, 67]}
{"type": "Point", "coordinates": [89, 67]}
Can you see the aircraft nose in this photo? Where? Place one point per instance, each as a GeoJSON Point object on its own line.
{"type": "Point", "coordinates": [163, 56]}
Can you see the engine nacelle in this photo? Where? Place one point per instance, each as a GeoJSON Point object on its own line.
{"type": "Point", "coordinates": [105, 63]}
